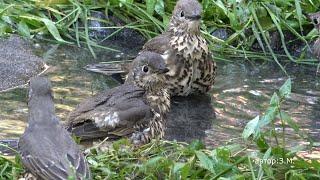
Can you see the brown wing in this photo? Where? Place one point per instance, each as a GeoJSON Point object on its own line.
{"type": "Point", "coordinates": [112, 112]}
{"type": "Point", "coordinates": [116, 70]}
{"type": "Point", "coordinates": [158, 44]}
{"type": "Point", "coordinates": [105, 98]}
{"type": "Point", "coordinates": [114, 122]}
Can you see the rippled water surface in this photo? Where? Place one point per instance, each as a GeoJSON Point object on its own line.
{"type": "Point", "coordinates": [242, 91]}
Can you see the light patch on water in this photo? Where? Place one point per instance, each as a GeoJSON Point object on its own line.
{"type": "Point", "coordinates": [236, 90]}
{"type": "Point", "coordinates": [272, 80]}
{"type": "Point", "coordinates": [255, 92]}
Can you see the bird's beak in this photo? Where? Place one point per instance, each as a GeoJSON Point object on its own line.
{"type": "Point", "coordinates": [194, 18]}
{"type": "Point", "coordinates": [163, 71]}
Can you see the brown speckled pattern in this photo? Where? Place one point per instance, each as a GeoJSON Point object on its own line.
{"type": "Point", "coordinates": [192, 69]}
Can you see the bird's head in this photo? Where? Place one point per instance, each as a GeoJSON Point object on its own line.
{"type": "Point", "coordinates": [186, 17]}
{"type": "Point", "coordinates": [40, 104]}
{"type": "Point", "coordinates": [39, 87]}
{"type": "Point", "coordinates": [148, 71]}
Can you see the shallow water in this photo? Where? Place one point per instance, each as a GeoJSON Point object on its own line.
{"type": "Point", "coordinates": [242, 91]}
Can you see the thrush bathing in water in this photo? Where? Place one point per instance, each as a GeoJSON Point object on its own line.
{"type": "Point", "coordinates": [192, 69]}
{"type": "Point", "coordinates": [46, 148]}
{"type": "Point", "coordinates": [136, 110]}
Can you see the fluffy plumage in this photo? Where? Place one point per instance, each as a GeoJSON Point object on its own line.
{"type": "Point", "coordinates": [135, 109]}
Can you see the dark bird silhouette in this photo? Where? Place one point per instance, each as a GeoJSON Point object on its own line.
{"type": "Point", "coordinates": [46, 148]}
{"type": "Point", "coordinates": [135, 109]}
{"type": "Point", "coordinates": [192, 69]}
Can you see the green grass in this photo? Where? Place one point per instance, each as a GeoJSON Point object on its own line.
{"type": "Point", "coordinates": [66, 21]}
{"type": "Point", "coordinates": [267, 158]}
{"type": "Point", "coordinates": [10, 169]}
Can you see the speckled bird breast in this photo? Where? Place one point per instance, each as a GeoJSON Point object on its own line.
{"type": "Point", "coordinates": [191, 68]}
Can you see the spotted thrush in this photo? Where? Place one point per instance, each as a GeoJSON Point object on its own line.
{"type": "Point", "coordinates": [192, 69]}
{"type": "Point", "coordinates": [136, 110]}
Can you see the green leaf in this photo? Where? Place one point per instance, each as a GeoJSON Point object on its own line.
{"type": "Point", "coordinates": [49, 25]}
{"type": "Point", "coordinates": [53, 29]}
{"type": "Point", "coordinates": [180, 170]}
{"type": "Point", "coordinates": [185, 171]}
{"type": "Point", "coordinates": [269, 116]}
{"type": "Point", "coordinates": [23, 29]}
{"type": "Point", "coordinates": [153, 161]}
{"type": "Point", "coordinates": [150, 6]}
{"type": "Point", "coordinates": [262, 143]}
{"type": "Point", "coordinates": [196, 145]}
{"type": "Point", "coordinates": [92, 162]}
{"type": "Point", "coordinates": [205, 161]}
{"type": "Point", "coordinates": [220, 5]}
{"type": "Point", "coordinates": [299, 13]}
{"type": "Point", "coordinates": [251, 128]}
{"type": "Point", "coordinates": [289, 121]}
{"type": "Point", "coordinates": [159, 7]}
{"type": "Point", "coordinates": [267, 154]}
{"type": "Point", "coordinates": [177, 166]}
{"type": "Point", "coordinates": [257, 36]}
{"type": "Point", "coordinates": [274, 102]}
{"type": "Point", "coordinates": [166, 20]}
{"type": "Point", "coordinates": [285, 89]}
{"type": "Point", "coordinates": [221, 154]}
{"type": "Point", "coordinates": [4, 28]}
{"type": "Point", "coordinates": [8, 20]}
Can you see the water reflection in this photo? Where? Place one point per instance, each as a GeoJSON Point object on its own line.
{"type": "Point", "coordinates": [189, 118]}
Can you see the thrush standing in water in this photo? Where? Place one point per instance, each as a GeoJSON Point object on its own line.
{"type": "Point", "coordinates": [192, 69]}
{"type": "Point", "coordinates": [136, 110]}
{"type": "Point", "coordinates": [46, 148]}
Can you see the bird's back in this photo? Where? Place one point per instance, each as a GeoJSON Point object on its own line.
{"type": "Point", "coordinates": [46, 148]}
{"type": "Point", "coordinates": [158, 44]}
{"type": "Point", "coordinates": [49, 152]}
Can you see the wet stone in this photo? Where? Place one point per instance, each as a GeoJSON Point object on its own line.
{"type": "Point", "coordinates": [17, 63]}
{"type": "Point", "coordinates": [222, 33]}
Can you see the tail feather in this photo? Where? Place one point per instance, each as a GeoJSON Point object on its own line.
{"type": "Point", "coordinates": [88, 131]}
{"type": "Point", "coordinates": [109, 68]}
{"type": "Point", "coordinates": [9, 146]}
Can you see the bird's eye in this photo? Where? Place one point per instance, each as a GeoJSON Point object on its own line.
{"type": "Point", "coordinates": [182, 14]}
{"type": "Point", "coordinates": [145, 68]}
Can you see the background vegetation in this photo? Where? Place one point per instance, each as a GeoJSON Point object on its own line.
{"type": "Point", "coordinates": [233, 27]}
